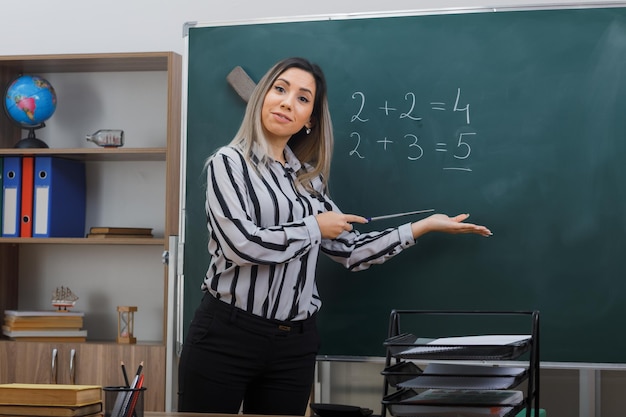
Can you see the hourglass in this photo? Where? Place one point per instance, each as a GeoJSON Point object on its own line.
{"type": "Point", "coordinates": [125, 324]}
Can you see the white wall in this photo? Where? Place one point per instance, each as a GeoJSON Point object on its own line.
{"type": "Point", "coordinates": [109, 275]}
{"type": "Point", "coordinates": [79, 26]}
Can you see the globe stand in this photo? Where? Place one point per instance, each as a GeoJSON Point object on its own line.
{"type": "Point", "coordinates": [31, 141]}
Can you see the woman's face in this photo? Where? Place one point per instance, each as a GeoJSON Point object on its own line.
{"type": "Point", "coordinates": [288, 104]}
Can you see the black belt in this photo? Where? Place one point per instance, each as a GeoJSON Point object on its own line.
{"type": "Point", "coordinates": [233, 314]}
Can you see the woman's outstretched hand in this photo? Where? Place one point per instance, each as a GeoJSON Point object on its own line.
{"type": "Point", "coordinates": [446, 224]}
{"type": "Point", "coordinates": [332, 224]}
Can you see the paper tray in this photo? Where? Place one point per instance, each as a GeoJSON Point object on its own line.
{"type": "Point", "coordinates": [407, 346]}
{"type": "Point", "coordinates": [487, 352]}
{"type": "Point", "coordinates": [401, 372]}
{"type": "Point", "coordinates": [397, 408]}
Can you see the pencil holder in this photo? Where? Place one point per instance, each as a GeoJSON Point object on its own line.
{"type": "Point", "coordinates": [123, 401]}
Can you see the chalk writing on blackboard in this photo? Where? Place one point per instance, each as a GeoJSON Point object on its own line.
{"type": "Point", "coordinates": [410, 96]}
{"type": "Point", "coordinates": [357, 116]}
{"type": "Point", "coordinates": [440, 105]}
{"type": "Point", "coordinates": [358, 142]}
{"type": "Point", "coordinates": [414, 143]}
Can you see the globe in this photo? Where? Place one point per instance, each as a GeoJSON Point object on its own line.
{"type": "Point", "coordinates": [30, 100]}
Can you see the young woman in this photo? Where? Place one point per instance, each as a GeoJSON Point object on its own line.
{"type": "Point", "coordinates": [253, 340]}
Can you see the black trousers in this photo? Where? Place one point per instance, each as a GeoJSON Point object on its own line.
{"type": "Point", "coordinates": [231, 356]}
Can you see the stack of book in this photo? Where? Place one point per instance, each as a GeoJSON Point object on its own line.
{"type": "Point", "coordinates": [119, 232]}
{"type": "Point", "coordinates": [44, 326]}
{"type": "Point", "coordinates": [50, 400]}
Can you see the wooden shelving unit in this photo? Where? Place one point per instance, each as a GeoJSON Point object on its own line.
{"type": "Point", "coordinates": [95, 361]}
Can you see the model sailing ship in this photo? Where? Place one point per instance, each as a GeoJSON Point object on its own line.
{"type": "Point", "coordinates": [63, 298]}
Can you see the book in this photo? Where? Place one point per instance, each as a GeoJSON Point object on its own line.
{"type": "Point", "coordinates": [1, 192]}
{"type": "Point", "coordinates": [60, 339]}
{"type": "Point", "coordinates": [59, 201]}
{"type": "Point", "coordinates": [12, 196]}
{"type": "Point", "coordinates": [26, 217]}
{"type": "Point", "coordinates": [42, 313]}
{"type": "Point", "coordinates": [44, 324]}
{"type": "Point", "coordinates": [17, 321]}
{"type": "Point", "coordinates": [121, 230]}
{"type": "Point", "coordinates": [117, 236]}
{"type": "Point", "coordinates": [43, 333]}
{"type": "Point", "coordinates": [51, 411]}
{"type": "Point", "coordinates": [49, 394]}
{"type": "Point", "coordinates": [46, 321]}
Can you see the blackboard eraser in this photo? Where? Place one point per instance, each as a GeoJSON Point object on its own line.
{"type": "Point", "coordinates": [239, 79]}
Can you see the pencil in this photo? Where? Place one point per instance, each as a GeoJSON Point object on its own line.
{"type": "Point", "coordinates": [137, 375]}
{"type": "Point", "coordinates": [125, 374]}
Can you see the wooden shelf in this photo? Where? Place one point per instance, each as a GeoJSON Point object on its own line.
{"type": "Point", "coordinates": [82, 241]}
{"type": "Point", "coordinates": [94, 154]}
{"type": "Point", "coordinates": [141, 343]}
{"type": "Point", "coordinates": [143, 61]}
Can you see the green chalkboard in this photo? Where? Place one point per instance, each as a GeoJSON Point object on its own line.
{"type": "Point", "coordinates": [517, 117]}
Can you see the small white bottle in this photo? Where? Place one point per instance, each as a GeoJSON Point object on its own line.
{"type": "Point", "coordinates": [107, 138]}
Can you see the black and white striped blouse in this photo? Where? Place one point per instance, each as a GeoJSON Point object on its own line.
{"type": "Point", "coordinates": [264, 240]}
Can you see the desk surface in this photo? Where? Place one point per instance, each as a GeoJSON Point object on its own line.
{"type": "Point", "coordinates": [162, 414]}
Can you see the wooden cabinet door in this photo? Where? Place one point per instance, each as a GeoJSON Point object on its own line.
{"type": "Point", "coordinates": [7, 362]}
{"type": "Point", "coordinates": [100, 364]}
{"type": "Point", "coordinates": [43, 363]}
{"type": "Point", "coordinates": [33, 363]}
{"type": "Point", "coordinates": [85, 364]}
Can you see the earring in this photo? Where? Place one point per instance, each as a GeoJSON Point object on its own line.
{"type": "Point", "coordinates": [308, 130]}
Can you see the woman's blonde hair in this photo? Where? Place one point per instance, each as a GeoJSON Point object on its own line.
{"type": "Point", "coordinates": [314, 149]}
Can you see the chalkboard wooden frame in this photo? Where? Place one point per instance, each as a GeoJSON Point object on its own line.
{"type": "Point", "coordinates": [528, 100]}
